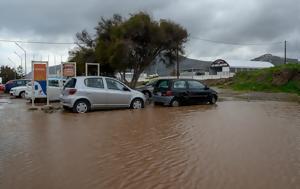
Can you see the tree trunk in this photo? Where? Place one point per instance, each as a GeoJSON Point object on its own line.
{"type": "Point", "coordinates": [135, 78]}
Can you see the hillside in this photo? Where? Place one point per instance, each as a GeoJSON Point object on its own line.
{"type": "Point", "coordinates": [185, 63]}
{"type": "Point", "coordinates": [283, 78]}
{"type": "Point", "coordinates": [276, 60]}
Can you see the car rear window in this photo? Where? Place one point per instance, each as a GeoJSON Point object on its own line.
{"type": "Point", "coordinates": [164, 84]}
{"type": "Point", "coordinates": [71, 83]}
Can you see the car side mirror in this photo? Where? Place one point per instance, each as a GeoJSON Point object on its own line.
{"type": "Point", "coordinates": [206, 87]}
{"type": "Point", "coordinates": [126, 89]}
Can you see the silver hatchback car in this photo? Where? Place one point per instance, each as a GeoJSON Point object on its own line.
{"type": "Point", "coordinates": [82, 94]}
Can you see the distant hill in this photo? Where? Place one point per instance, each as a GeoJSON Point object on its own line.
{"type": "Point", "coordinates": [185, 64]}
{"type": "Point", "coordinates": [276, 60]}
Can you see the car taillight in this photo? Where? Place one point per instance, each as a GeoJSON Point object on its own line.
{"type": "Point", "coordinates": [168, 93]}
{"type": "Point", "coordinates": [72, 91]}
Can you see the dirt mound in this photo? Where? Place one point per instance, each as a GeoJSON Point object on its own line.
{"type": "Point", "coordinates": [282, 77]}
{"type": "Point", "coordinates": [216, 82]}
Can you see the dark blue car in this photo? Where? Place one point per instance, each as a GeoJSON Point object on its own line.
{"type": "Point", "coordinates": [15, 83]}
{"type": "Point", "coordinates": [175, 92]}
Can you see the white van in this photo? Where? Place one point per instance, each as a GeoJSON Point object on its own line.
{"type": "Point", "coordinates": [54, 89]}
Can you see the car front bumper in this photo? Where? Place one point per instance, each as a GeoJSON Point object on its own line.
{"type": "Point", "coordinates": [12, 93]}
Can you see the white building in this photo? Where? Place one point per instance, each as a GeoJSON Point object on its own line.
{"type": "Point", "coordinates": [233, 66]}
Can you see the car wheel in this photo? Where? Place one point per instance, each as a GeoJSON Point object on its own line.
{"type": "Point", "coordinates": [174, 103]}
{"type": "Point", "coordinates": [22, 94]}
{"type": "Point", "coordinates": [81, 106]}
{"type": "Point", "coordinates": [137, 104]}
{"type": "Point", "coordinates": [213, 99]}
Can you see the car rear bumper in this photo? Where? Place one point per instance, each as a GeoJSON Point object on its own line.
{"type": "Point", "coordinates": [67, 101]}
{"type": "Point", "coordinates": [166, 100]}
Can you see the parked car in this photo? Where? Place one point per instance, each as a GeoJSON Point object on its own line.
{"type": "Point", "coordinates": [147, 89]}
{"type": "Point", "coordinates": [18, 91]}
{"type": "Point", "coordinates": [82, 94]}
{"type": "Point", "coordinates": [54, 90]}
{"type": "Point", "coordinates": [176, 92]}
{"type": "Point", "coordinates": [2, 87]}
{"type": "Point", "coordinates": [15, 83]}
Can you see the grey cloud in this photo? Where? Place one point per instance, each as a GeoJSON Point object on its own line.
{"type": "Point", "coordinates": [255, 21]}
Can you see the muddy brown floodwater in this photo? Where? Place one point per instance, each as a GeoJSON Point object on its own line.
{"type": "Point", "coordinates": [234, 144]}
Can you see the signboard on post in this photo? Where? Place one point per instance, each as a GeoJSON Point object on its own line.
{"type": "Point", "coordinates": [39, 80]}
{"type": "Point", "coordinates": [68, 69]}
{"type": "Point", "coordinates": [92, 64]}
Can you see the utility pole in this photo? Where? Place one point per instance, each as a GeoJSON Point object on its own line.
{"type": "Point", "coordinates": [20, 59]}
{"type": "Point", "coordinates": [285, 52]}
{"type": "Point", "coordinates": [25, 56]}
{"type": "Point", "coordinates": [177, 59]}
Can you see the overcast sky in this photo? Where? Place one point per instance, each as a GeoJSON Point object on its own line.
{"type": "Point", "coordinates": [232, 21]}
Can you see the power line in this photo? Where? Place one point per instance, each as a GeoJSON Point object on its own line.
{"type": "Point", "coordinates": [197, 38]}
{"type": "Point", "coordinates": [232, 43]}
{"type": "Point", "coordinates": [39, 42]}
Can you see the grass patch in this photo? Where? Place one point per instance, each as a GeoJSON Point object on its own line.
{"type": "Point", "coordinates": [283, 78]}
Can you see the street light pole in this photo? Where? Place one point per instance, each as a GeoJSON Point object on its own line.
{"type": "Point", "coordinates": [19, 57]}
{"type": "Point", "coordinates": [25, 56]}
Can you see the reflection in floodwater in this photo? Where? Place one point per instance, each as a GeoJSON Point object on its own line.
{"type": "Point", "coordinates": [229, 145]}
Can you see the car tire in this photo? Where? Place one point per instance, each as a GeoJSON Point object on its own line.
{"type": "Point", "coordinates": [174, 103]}
{"type": "Point", "coordinates": [22, 94]}
{"type": "Point", "coordinates": [81, 106]}
{"type": "Point", "coordinates": [213, 99]}
{"type": "Point", "coordinates": [137, 103]}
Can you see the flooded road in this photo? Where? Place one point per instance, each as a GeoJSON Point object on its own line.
{"type": "Point", "coordinates": [235, 144]}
